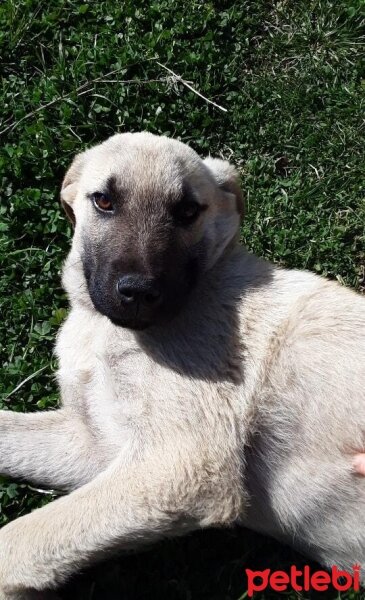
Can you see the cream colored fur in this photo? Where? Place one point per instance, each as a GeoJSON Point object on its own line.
{"type": "Point", "coordinates": [246, 407]}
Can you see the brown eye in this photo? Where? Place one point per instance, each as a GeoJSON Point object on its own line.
{"type": "Point", "coordinates": [186, 212]}
{"type": "Point", "coordinates": [102, 202]}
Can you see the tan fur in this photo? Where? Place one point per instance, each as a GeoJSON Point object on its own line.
{"type": "Point", "coordinates": [243, 408]}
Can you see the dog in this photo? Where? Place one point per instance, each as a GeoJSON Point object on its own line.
{"type": "Point", "coordinates": [200, 385]}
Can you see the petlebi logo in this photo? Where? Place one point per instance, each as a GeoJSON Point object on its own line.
{"type": "Point", "coordinates": [302, 580]}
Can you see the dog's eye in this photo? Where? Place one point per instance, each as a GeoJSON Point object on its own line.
{"type": "Point", "coordinates": [102, 202]}
{"type": "Point", "coordinates": [185, 213]}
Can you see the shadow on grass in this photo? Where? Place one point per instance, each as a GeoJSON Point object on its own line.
{"type": "Point", "coordinates": [205, 565]}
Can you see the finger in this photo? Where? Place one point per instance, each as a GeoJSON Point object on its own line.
{"type": "Point", "coordinates": [359, 463]}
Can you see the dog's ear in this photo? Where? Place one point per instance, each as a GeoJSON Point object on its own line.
{"type": "Point", "coordinates": [70, 185]}
{"type": "Point", "coordinates": [227, 179]}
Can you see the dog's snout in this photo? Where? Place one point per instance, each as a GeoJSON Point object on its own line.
{"type": "Point", "coordinates": [137, 288]}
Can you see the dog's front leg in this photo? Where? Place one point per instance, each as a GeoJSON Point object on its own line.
{"type": "Point", "coordinates": [124, 506]}
{"type": "Point", "coordinates": [53, 449]}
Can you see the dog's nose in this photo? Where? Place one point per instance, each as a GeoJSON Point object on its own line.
{"type": "Point", "coordinates": [137, 288]}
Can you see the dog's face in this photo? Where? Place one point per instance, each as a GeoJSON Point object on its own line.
{"type": "Point", "coordinates": [150, 217]}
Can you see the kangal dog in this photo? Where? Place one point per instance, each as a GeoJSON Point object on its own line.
{"type": "Point", "coordinates": [200, 385]}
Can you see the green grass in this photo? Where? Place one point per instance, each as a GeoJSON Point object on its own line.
{"type": "Point", "coordinates": [290, 74]}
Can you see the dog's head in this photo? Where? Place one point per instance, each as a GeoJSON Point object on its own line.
{"type": "Point", "coordinates": [150, 217]}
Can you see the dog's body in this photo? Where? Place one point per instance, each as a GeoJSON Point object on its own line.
{"type": "Point", "coordinates": [245, 406]}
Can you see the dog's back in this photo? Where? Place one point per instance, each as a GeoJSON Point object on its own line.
{"type": "Point", "coordinates": [310, 420]}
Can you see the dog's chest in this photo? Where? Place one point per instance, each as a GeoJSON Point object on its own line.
{"type": "Point", "coordinates": [121, 390]}
{"type": "Point", "coordinates": [128, 393]}
{"type": "Point", "coordinates": [106, 376]}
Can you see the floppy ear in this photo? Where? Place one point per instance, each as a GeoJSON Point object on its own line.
{"type": "Point", "coordinates": [70, 185]}
{"type": "Point", "coordinates": [227, 178]}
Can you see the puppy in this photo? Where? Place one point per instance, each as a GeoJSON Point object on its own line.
{"type": "Point", "coordinates": [200, 385]}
